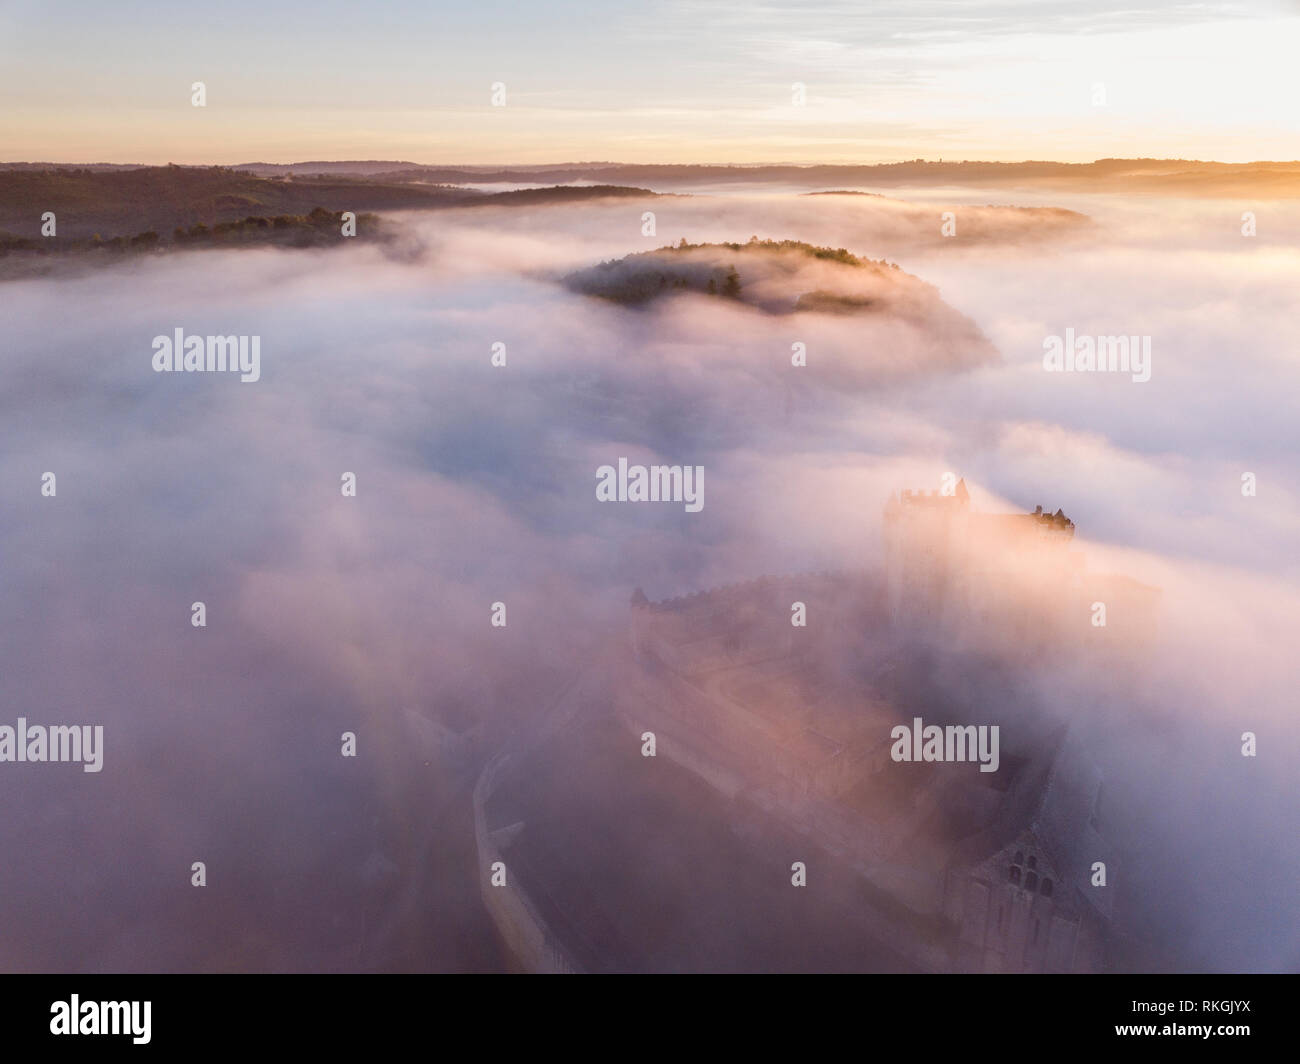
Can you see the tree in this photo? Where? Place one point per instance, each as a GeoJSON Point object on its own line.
{"type": "Point", "coordinates": [731, 286]}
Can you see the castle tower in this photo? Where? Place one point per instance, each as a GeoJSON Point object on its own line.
{"type": "Point", "coordinates": [924, 540]}
{"type": "Point", "coordinates": [950, 569]}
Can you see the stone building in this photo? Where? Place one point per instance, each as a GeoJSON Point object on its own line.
{"type": "Point", "coordinates": [798, 721]}
{"type": "Point", "coordinates": [1005, 582]}
{"type": "Point", "coordinates": [1026, 892]}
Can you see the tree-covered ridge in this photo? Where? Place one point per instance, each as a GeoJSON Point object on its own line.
{"type": "Point", "coordinates": [295, 230]}
{"type": "Point", "coordinates": [711, 269]}
{"type": "Point", "coordinates": [24, 256]}
{"type": "Point", "coordinates": [842, 255]}
{"type": "Point", "coordinates": [559, 194]}
{"type": "Point", "coordinates": [162, 198]}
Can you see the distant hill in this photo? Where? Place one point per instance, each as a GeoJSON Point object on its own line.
{"type": "Point", "coordinates": [559, 194]}
{"type": "Point", "coordinates": [355, 169]}
{"type": "Point", "coordinates": [125, 202]}
{"type": "Point", "coordinates": [38, 256]}
{"type": "Point", "coordinates": [73, 166]}
{"type": "Point", "coordinates": [1180, 177]}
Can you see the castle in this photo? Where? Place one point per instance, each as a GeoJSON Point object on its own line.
{"type": "Point", "coordinates": [790, 724]}
{"type": "Point", "coordinates": [1005, 581]}
{"type": "Point", "coordinates": [797, 721]}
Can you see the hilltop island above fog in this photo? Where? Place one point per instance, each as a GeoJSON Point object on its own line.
{"type": "Point", "coordinates": [778, 277]}
{"type": "Point", "coordinates": [709, 269]}
{"type": "Point", "coordinates": [869, 307]}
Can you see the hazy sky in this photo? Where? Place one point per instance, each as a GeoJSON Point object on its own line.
{"type": "Point", "coordinates": [660, 81]}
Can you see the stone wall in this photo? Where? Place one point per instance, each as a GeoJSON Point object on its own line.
{"type": "Point", "coordinates": [524, 931]}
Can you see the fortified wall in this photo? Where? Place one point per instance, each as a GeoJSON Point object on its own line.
{"type": "Point", "coordinates": [522, 928]}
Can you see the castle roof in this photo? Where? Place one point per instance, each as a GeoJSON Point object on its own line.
{"type": "Point", "coordinates": [1053, 798]}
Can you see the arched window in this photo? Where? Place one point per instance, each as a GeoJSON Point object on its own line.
{"type": "Point", "coordinates": [1033, 862]}
{"type": "Point", "coordinates": [1046, 889]}
{"type": "Point", "coordinates": [1014, 874]}
{"type": "Point", "coordinates": [1020, 857]}
{"type": "Point", "coordinates": [1031, 881]}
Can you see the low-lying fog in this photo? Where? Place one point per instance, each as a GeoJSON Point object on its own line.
{"type": "Point", "coordinates": [475, 484]}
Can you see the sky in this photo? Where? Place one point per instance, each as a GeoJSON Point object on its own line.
{"type": "Point", "coordinates": [664, 81]}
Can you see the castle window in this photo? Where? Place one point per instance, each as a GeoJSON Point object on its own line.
{"type": "Point", "coordinates": [1033, 862]}
{"type": "Point", "coordinates": [1014, 875]}
{"type": "Point", "coordinates": [1046, 889]}
{"type": "Point", "coordinates": [1031, 881]}
{"type": "Point", "coordinates": [1020, 857]}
